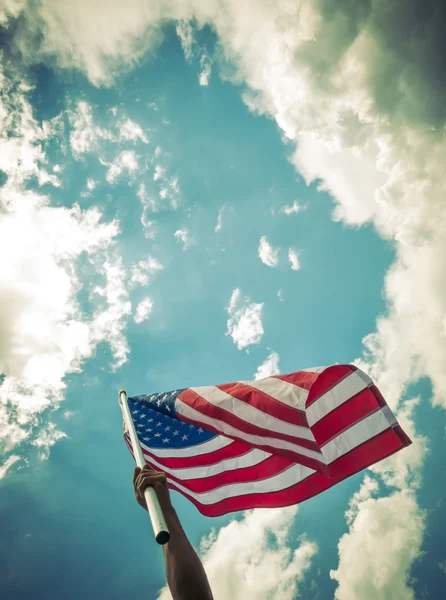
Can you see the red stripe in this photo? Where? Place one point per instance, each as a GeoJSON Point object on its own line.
{"type": "Point", "coordinates": [303, 379]}
{"type": "Point", "coordinates": [380, 447]}
{"type": "Point", "coordinates": [202, 460]}
{"type": "Point", "coordinates": [328, 379]}
{"type": "Point", "coordinates": [345, 415]}
{"type": "Point", "coordinates": [267, 468]}
{"type": "Point", "coordinates": [201, 405]}
{"type": "Point", "coordinates": [265, 403]}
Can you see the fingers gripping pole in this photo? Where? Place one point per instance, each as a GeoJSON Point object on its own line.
{"type": "Point", "coordinates": [160, 530]}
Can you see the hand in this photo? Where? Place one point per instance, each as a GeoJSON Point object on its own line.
{"type": "Point", "coordinates": [146, 477]}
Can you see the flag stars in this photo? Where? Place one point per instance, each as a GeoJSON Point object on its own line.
{"type": "Point", "coordinates": [146, 439]}
{"type": "Point", "coordinates": [176, 433]}
{"type": "Point", "coordinates": [168, 427]}
{"type": "Point", "coordinates": [184, 437]}
{"type": "Point", "coordinates": [157, 435]}
{"type": "Point", "coordinates": [159, 424]}
{"type": "Point", "coordinates": [165, 440]}
{"type": "Point", "coordinates": [200, 430]}
{"type": "Point", "coordinates": [149, 429]}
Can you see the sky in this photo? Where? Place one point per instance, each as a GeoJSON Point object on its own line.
{"type": "Point", "coordinates": [200, 191]}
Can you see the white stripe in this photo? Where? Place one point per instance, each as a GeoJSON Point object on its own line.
{"type": "Point", "coordinates": [249, 413]}
{"type": "Point", "coordinates": [340, 393]}
{"type": "Point", "coordinates": [359, 433]}
{"type": "Point", "coordinates": [254, 457]}
{"type": "Point", "coordinates": [282, 391]}
{"type": "Point", "coordinates": [281, 481]}
{"type": "Point", "coordinates": [219, 441]}
{"type": "Point", "coordinates": [255, 440]}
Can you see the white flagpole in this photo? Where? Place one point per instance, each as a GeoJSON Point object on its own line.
{"type": "Point", "coordinates": [160, 530]}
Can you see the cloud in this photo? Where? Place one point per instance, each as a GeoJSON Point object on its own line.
{"type": "Point", "coordinates": [183, 236]}
{"type": "Point", "coordinates": [270, 366]}
{"type": "Point", "coordinates": [144, 269]}
{"type": "Point", "coordinates": [143, 310]}
{"type": "Point", "coordinates": [219, 220]}
{"type": "Point", "coordinates": [159, 173]}
{"type": "Point", "coordinates": [8, 464]}
{"type": "Point", "coordinates": [290, 209]}
{"type": "Point", "coordinates": [383, 541]}
{"type": "Point", "coordinates": [267, 254]}
{"type": "Point", "coordinates": [251, 558]}
{"type": "Point", "coordinates": [91, 184]}
{"type": "Point", "coordinates": [85, 134]}
{"type": "Point", "coordinates": [109, 320]}
{"type": "Point", "coordinates": [126, 161]}
{"type": "Point", "coordinates": [206, 69]}
{"type": "Point", "coordinates": [293, 257]}
{"type": "Point", "coordinates": [245, 320]}
{"type": "Point", "coordinates": [280, 296]}
{"type": "Point", "coordinates": [148, 206]}
{"type": "Point", "coordinates": [131, 131]}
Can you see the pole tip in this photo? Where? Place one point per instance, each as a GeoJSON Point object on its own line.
{"type": "Point", "coordinates": [119, 395]}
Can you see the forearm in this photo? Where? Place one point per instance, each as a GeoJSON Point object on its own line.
{"type": "Point", "coordinates": [185, 574]}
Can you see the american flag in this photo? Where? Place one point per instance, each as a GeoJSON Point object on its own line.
{"type": "Point", "coordinates": [266, 443]}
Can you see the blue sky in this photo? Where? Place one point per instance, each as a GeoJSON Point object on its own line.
{"type": "Point", "coordinates": [135, 194]}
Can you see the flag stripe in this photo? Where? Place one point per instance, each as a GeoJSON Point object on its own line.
{"type": "Point", "coordinates": [246, 414]}
{"type": "Point", "coordinates": [344, 416]}
{"type": "Point", "coordinates": [346, 388]}
{"type": "Point", "coordinates": [250, 459]}
{"type": "Point", "coordinates": [253, 396]}
{"type": "Point", "coordinates": [231, 450]}
{"type": "Point", "coordinates": [281, 391]}
{"type": "Point", "coordinates": [287, 449]}
{"type": "Point", "coordinates": [357, 434]}
{"type": "Point", "coordinates": [380, 447]}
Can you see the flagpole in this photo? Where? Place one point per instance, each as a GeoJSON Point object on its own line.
{"type": "Point", "coordinates": [160, 530]}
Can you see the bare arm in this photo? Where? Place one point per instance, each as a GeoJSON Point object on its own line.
{"type": "Point", "coordinates": [185, 574]}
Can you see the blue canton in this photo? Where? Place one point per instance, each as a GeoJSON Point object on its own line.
{"type": "Point", "coordinates": [157, 426]}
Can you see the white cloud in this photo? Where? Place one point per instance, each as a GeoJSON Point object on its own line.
{"type": "Point", "coordinates": [159, 172]}
{"type": "Point", "coordinates": [290, 209]}
{"type": "Point", "coordinates": [91, 184]}
{"type": "Point", "coordinates": [206, 69]}
{"type": "Point", "coordinates": [183, 236]}
{"type": "Point", "coordinates": [142, 272]}
{"type": "Point", "coordinates": [143, 310]}
{"type": "Point", "coordinates": [293, 257]}
{"type": "Point", "coordinates": [280, 296]}
{"type": "Point", "coordinates": [384, 539]}
{"type": "Point", "coordinates": [251, 558]}
{"type": "Point", "coordinates": [186, 34]}
{"type": "Point", "coordinates": [267, 254]}
{"type": "Point", "coordinates": [245, 320]}
{"type": "Point", "coordinates": [131, 131]}
{"type": "Point", "coordinates": [109, 320]}
{"type": "Point", "coordinates": [270, 366]}
{"type": "Point", "coordinates": [85, 135]}
{"type": "Point", "coordinates": [46, 439]}
{"type": "Point", "coordinates": [219, 220]}
{"type": "Point", "coordinates": [11, 460]}
{"type": "Point", "coordinates": [126, 161]}
{"type": "Point", "coordinates": [148, 206]}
